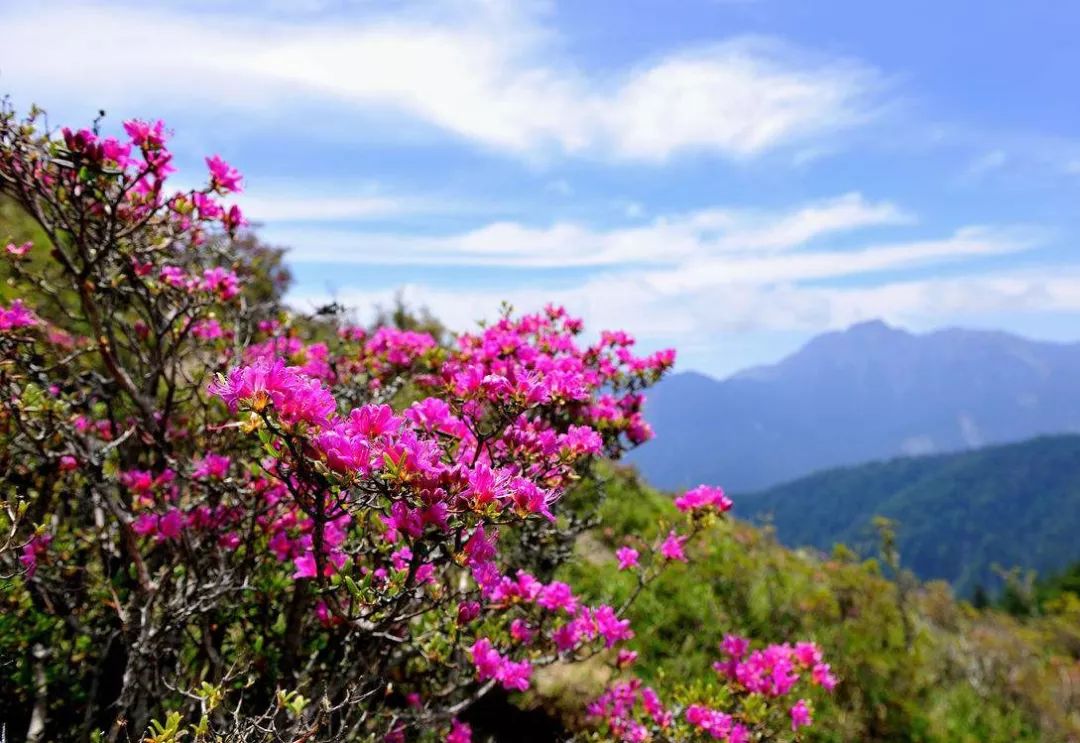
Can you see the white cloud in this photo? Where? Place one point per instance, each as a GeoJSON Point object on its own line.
{"type": "Point", "coordinates": [493, 77]}
{"type": "Point", "coordinates": [740, 98]}
{"type": "Point", "coordinates": [968, 242]}
{"type": "Point", "coordinates": [697, 235]}
{"type": "Point", "coordinates": [658, 318]}
{"type": "Point", "coordinates": [680, 279]}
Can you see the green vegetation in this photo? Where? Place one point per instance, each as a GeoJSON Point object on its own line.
{"type": "Point", "coordinates": [960, 517]}
{"type": "Point", "coordinates": [915, 664]}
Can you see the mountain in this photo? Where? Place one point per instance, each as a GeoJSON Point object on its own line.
{"type": "Point", "coordinates": [870, 392]}
{"type": "Point", "coordinates": [1016, 505]}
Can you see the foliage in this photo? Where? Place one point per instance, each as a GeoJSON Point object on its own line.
{"type": "Point", "coordinates": [959, 517]}
{"type": "Point", "coordinates": [221, 521]}
{"type": "Point", "coordinates": [914, 664]}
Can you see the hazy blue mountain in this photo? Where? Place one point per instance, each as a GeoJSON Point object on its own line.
{"type": "Point", "coordinates": [1017, 505]}
{"type": "Point", "coordinates": [870, 392]}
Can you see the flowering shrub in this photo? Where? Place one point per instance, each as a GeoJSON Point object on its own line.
{"type": "Point", "coordinates": [222, 519]}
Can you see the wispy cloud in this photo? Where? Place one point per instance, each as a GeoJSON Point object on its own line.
{"type": "Point", "coordinates": [491, 77]}
{"type": "Point", "coordinates": [667, 240]}
{"type": "Point", "coordinates": [684, 277]}
{"type": "Point", "coordinates": [686, 318]}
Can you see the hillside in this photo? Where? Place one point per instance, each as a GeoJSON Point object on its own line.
{"type": "Point", "coordinates": [870, 392]}
{"type": "Point", "coordinates": [914, 663]}
{"type": "Point", "coordinates": [958, 514]}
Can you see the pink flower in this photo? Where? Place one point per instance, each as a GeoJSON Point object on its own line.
{"type": "Point", "coordinates": [626, 658]}
{"type": "Point", "coordinates": [807, 653]}
{"type": "Point", "coordinates": [529, 498]}
{"type": "Point", "coordinates": [556, 596]}
{"type": "Point", "coordinates": [581, 440]}
{"type": "Point", "coordinates": [223, 177]}
{"type": "Point", "coordinates": [480, 548]}
{"type": "Point", "coordinates": [702, 497]}
{"type": "Point", "coordinates": [82, 141]}
{"type": "Point", "coordinates": [484, 487]}
{"type": "Point", "coordinates": [402, 519]}
{"type": "Point", "coordinates": [206, 206]}
{"type": "Point", "coordinates": [521, 632]}
{"type": "Point", "coordinates": [374, 421]}
{"type": "Point", "coordinates": [735, 646]}
{"type": "Point", "coordinates": [401, 558]}
{"type": "Point", "coordinates": [344, 452]}
{"type": "Point", "coordinates": [459, 732]}
{"type": "Point", "coordinates": [650, 700]}
{"type": "Point", "coordinates": [32, 551]}
{"type": "Point", "coordinates": [229, 541]}
{"type": "Point", "coordinates": [567, 637]}
{"type": "Point", "coordinates": [145, 525]}
{"type": "Point", "coordinates": [171, 524]}
{"type": "Point", "coordinates": [491, 665]}
{"type": "Point", "coordinates": [515, 675]}
{"type": "Point", "coordinates": [120, 154]}
{"type": "Point", "coordinates": [175, 276]}
{"type": "Point", "coordinates": [434, 415]}
{"type": "Point", "coordinates": [628, 557]}
{"type": "Point", "coordinates": [467, 612]}
{"type": "Point", "coordinates": [212, 466]}
{"type": "Point", "coordinates": [145, 134]}
{"type": "Point", "coordinates": [822, 676]}
{"type": "Point", "coordinates": [221, 282]}
{"type": "Point", "coordinates": [233, 219]}
{"type": "Point", "coordinates": [68, 463]}
{"type": "Point", "coordinates": [610, 627]}
{"type": "Point", "coordinates": [800, 715]}
{"type": "Point", "coordinates": [306, 566]}
{"type": "Point", "coordinates": [672, 547]}
{"type": "Point", "coordinates": [17, 315]}
{"type": "Point", "coordinates": [19, 250]}
{"type": "Point", "coordinates": [294, 396]}
{"type": "Point", "coordinates": [717, 724]}
{"type": "Point", "coordinates": [207, 330]}
{"type": "Point", "coordinates": [486, 659]}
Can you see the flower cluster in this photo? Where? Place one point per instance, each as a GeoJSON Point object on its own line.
{"type": "Point", "coordinates": [704, 497]}
{"type": "Point", "coordinates": [633, 712]}
{"type": "Point", "coordinates": [773, 671]}
{"type": "Point", "coordinates": [15, 316]}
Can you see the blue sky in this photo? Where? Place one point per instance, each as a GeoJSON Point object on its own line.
{"type": "Point", "coordinates": [729, 177]}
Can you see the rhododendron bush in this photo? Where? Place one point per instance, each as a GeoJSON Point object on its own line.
{"type": "Point", "coordinates": [226, 521]}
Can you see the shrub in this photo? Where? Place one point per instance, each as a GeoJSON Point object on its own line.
{"type": "Point", "coordinates": [226, 521]}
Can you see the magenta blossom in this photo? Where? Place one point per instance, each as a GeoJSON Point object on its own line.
{"type": "Point", "coordinates": [672, 547]}
{"type": "Point", "coordinates": [703, 497]}
{"type": "Point", "coordinates": [628, 557]}
{"type": "Point", "coordinates": [491, 665]}
{"type": "Point", "coordinates": [459, 732]}
{"type": "Point", "coordinates": [800, 715]}
{"type": "Point", "coordinates": [18, 315]}
{"type": "Point", "coordinates": [223, 177]}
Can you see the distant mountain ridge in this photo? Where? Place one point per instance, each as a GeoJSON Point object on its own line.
{"type": "Point", "coordinates": [1016, 505]}
{"type": "Point", "coordinates": [870, 392]}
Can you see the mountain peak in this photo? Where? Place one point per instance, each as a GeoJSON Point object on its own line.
{"type": "Point", "coordinates": [857, 394]}
{"type": "Point", "coordinates": [874, 331]}
{"type": "Point", "coordinates": [874, 327]}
